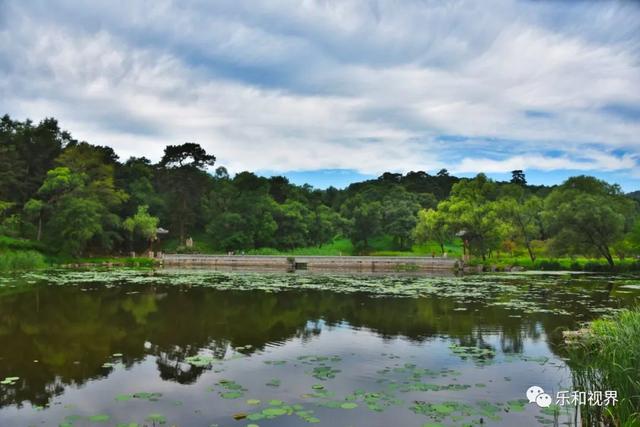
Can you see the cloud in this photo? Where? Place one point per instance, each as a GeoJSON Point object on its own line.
{"type": "Point", "coordinates": [362, 85]}
{"type": "Point", "coordinates": [591, 161]}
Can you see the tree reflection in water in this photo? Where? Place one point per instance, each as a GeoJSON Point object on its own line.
{"type": "Point", "coordinates": [58, 336]}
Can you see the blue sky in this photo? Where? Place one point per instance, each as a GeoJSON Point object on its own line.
{"type": "Point", "coordinates": [330, 92]}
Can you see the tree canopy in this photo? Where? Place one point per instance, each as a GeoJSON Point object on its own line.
{"type": "Point", "coordinates": [78, 198]}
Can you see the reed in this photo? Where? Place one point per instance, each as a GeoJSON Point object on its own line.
{"type": "Point", "coordinates": [606, 356]}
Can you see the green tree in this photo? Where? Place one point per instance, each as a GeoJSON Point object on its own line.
{"type": "Point", "coordinates": [432, 225]}
{"type": "Point", "coordinates": [77, 210]}
{"type": "Point", "coordinates": [294, 221]}
{"type": "Point", "coordinates": [587, 215]}
{"type": "Point", "coordinates": [185, 182]}
{"type": "Point", "coordinates": [518, 177]}
{"type": "Point", "coordinates": [137, 176]}
{"type": "Point", "coordinates": [400, 220]}
{"type": "Point", "coordinates": [240, 213]}
{"type": "Point", "coordinates": [326, 224]}
{"type": "Point", "coordinates": [524, 218]}
{"type": "Point", "coordinates": [95, 167]}
{"type": "Point", "coordinates": [142, 225]}
{"type": "Point", "coordinates": [366, 223]}
{"type": "Point", "coordinates": [27, 152]}
{"type": "Point", "coordinates": [472, 212]}
{"type": "Point", "coordinates": [34, 210]}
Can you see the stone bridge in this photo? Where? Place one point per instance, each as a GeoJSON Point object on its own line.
{"type": "Point", "coordinates": [326, 263]}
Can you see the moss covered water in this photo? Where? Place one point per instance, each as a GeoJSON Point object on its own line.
{"type": "Point", "coordinates": [207, 348]}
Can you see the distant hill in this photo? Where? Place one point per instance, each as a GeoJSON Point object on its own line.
{"type": "Point", "coordinates": [634, 195]}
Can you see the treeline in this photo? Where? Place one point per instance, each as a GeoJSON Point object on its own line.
{"type": "Point", "coordinates": [81, 199]}
{"type": "Point", "coordinates": [583, 216]}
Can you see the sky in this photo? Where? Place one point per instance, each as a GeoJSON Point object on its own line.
{"type": "Point", "coordinates": [330, 92]}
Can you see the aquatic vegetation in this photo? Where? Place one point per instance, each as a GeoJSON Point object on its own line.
{"type": "Point", "coordinates": [202, 361]}
{"type": "Point", "coordinates": [9, 381]}
{"type": "Point", "coordinates": [607, 357]}
{"type": "Point", "coordinates": [479, 355]}
{"type": "Point", "coordinates": [156, 418]}
{"type": "Point", "coordinates": [279, 408]}
{"type": "Point", "coordinates": [422, 350]}
{"type": "Point", "coordinates": [324, 372]}
{"type": "Point", "coordinates": [274, 382]}
{"type": "Point", "coordinates": [230, 389]}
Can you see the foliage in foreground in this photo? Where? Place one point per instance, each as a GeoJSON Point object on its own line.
{"type": "Point", "coordinates": [607, 357]}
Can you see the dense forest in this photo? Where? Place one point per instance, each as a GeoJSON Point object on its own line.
{"type": "Point", "coordinates": [79, 199]}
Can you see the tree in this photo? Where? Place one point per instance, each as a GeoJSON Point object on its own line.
{"type": "Point", "coordinates": [34, 209]}
{"type": "Point", "coordinates": [137, 176]}
{"type": "Point", "coordinates": [517, 177]}
{"type": "Point", "coordinates": [26, 154]}
{"type": "Point", "coordinates": [94, 167]}
{"type": "Point", "coordinates": [587, 215]}
{"type": "Point", "coordinates": [366, 222]}
{"type": "Point", "coordinates": [524, 217]}
{"type": "Point", "coordinates": [240, 213]}
{"type": "Point", "coordinates": [294, 221]}
{"type": "Point", "coordinates": [432, 225]}
{"type": "Point", "coordinates": [399, 219]}
{"type": "Point", "coordinates": [176, 156]}
{"type": "Point", "coordinates": [326, 223]}
{"type": "Point", "coordinates": [75, 221]}
{"type": "Point", "coordinates": [185, 182]}
{"type": "Point", "coordinates": [142, 224]}
{"type": "Point", "coordinates": [472, 212]}
{"type": "Point", "coordinates": [78, 207]}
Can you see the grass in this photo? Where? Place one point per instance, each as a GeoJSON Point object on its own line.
{"type": "Point", "coordinates": [336, 248]}
{"type": "Point", "coordinates": [11, 260]}
{"type": "Point", "coordinates": [102, 261]}
{"type": "Point", "coordinates": [559, 264]}
{"type": "Point", "coordinates": [379, 246]}
{"type": "Point", "coordinates": [607, 357]}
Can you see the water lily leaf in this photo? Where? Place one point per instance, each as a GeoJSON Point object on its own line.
{"type": "Point", "coordinates": [231, 394]}
{"type": "Point", "coordinates": [156, 418]}
{"type": "Point", "coordinates": [274, 412]}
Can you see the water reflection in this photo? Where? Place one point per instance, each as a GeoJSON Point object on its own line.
{"type": "Point", "coordinates": [56, 336]}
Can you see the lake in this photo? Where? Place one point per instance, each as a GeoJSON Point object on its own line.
{"type": "Point", "coordinates": [233, 348]}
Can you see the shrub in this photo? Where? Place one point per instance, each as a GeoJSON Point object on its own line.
{"type": "Point", "coordinates": [21, 260]}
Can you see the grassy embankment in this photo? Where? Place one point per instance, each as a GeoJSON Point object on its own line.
{"type": "Point", "coordinates": [558, 264]}
{"type": "Point", "coordinates": [379, 246]}
{"type": "Point", "coordinates": [21, 254]}
{"type": "Point", "coordinates": [606, 356]}
{"type": "Point", "coordinates": [18, 254]}
{"type": "Point", "coordinates": [383, 246]}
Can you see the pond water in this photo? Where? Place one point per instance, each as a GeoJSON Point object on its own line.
{"type": "Point", "coordinates": [212, 348]}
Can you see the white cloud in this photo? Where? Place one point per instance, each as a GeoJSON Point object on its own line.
{"type": "Point", "coordinates": [597, 161]}
{"type": "Point", "coordinates": [364, 85]}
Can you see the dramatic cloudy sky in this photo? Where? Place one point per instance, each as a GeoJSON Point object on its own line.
{"type": "Point", "coordinates": [331, 91]}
